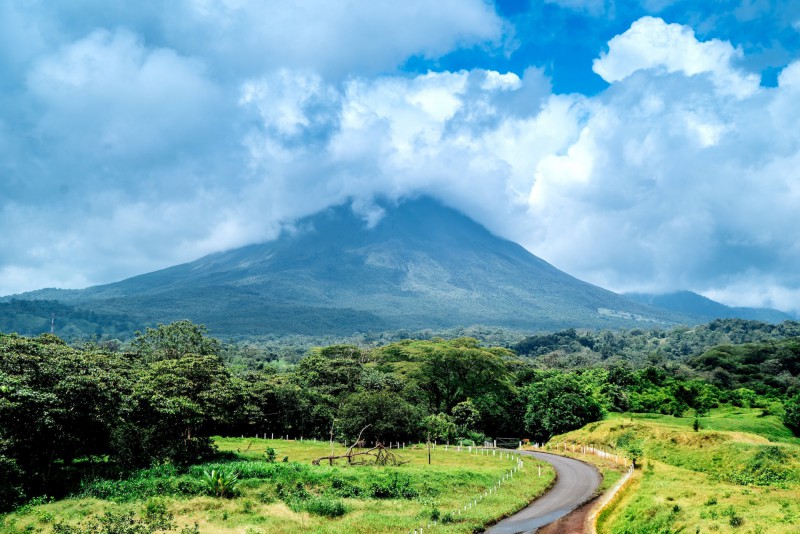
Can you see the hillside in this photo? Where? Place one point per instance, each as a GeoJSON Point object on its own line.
{"type": "Point", "coordinates": [690, 303]}
{"type": "Point", "coordinates": [740, 469]}
{"type": "Point", "coordinates": [422, 266]}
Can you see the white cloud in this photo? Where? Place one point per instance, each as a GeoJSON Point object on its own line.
{"type": "Point", "coordinates": [333, 38]}
{"type": "Point", "coordinates": [650, 43]}
{"type": "Point", "coordinates": [672, 184]}
{"type": "Point", "coordinates": [123, 157]}
{"type": "Point", "coordinates": [394, 136]}
{"type": "Point", "coordinates": [757, 291]}
{"type": "Point", "coordinates": [109, 94]}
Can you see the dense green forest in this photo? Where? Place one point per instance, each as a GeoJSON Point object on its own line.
{"type": "Point", "coordinates": [71, 413]}
{"type": "Point", "coordinates": [34, 317]}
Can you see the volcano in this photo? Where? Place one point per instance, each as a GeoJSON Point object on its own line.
{"type": "Point", "coordinates": [422, 265]}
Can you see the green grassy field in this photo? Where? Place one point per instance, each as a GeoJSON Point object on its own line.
{"type": "Point", "coordinates": [295, 496]}
{"type": "Point", "coordinates": [739, 473]}
{"type": "Point", "coordinates": [725, 418]}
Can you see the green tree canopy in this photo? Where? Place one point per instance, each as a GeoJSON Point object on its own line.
{"type": "Point", "coordinates": [558, 404]}
{"type": "Point", "coordinates": [171, 341]}
{"type": "Point", "coordinates": [791, 416]}
{"type": "Point", "coordinates": [390, 417]}
{"type": "Point", "coordinates": [175, 404]}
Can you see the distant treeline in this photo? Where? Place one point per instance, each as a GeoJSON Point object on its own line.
{"type": "Point", "coordinates": [566, 349]}
{"type": "Point", "coordinates": [34, 317]}
{"type": "Point", "coordinates": [68, 413]}
{"type": "Point", "coordinates": [578, 348]}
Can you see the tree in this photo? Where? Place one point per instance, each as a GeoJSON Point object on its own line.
{"type": "Point", "coordinates": [440, 427]}
{"type": "Point", "coordinates": [466, 416]}
{"type": "Point", "coordinates": [791, 415]}
{"type": "Point", "coordinates": [453, 371]}
{"type": "Point", "coordinates": [332, 370]}
{"type": "Point", "coordinates": [559, 404]}
{"type": "Point", "coordinates": [175, 405]}
{"type": "Point", "coordinates": [286, 404]}
{"type": "Point", "coordinates": [167, 342]}
{"type": "Point", "coordinates": [12, 490]}
{"type": "Point", "coordinates": [389, 416]}
{"type": "Point", "coordinates": [56, 404]}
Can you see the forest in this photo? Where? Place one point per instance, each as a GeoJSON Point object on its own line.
{"type": "Point", "coordinates": [70, 413]}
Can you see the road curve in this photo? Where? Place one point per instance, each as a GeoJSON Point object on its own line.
{"type": "Point", "coordinates": [576, 483]}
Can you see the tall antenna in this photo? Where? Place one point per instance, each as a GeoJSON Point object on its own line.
{"type": "Point", "coordinates": [53, 323]}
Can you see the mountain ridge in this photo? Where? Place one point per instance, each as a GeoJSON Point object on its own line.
{"type": "Point", "coordinates": [697, 305]}
{"type": "Point", "coordinates": [422, 265]}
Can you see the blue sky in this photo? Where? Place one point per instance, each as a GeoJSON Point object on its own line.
{"type": "Point", "coordinates": [640, 145]}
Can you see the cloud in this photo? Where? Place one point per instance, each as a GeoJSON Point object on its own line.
{"type": "Point", "coordinates": [332, 38]}
{"type": "Point", "coordinates": [213, 125]}
{"type": "Point", "coordinates": [109, 94]}
{"type": "Point", "coordinates": [650, 43]}
{"type": "Point", "coordinates": [390, 136]}
{"type": "Point", "coordinates": [676, 180]}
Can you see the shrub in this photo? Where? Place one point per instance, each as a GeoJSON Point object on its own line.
{"type": "Point", "coordinates": [270, 455]}
{"type": "Point", "coordinates": [190, 486]}
{"type": "Point", "coordinates": [791, 415]}
{"type": "Point", "coordinates": [291, 493]}
{"type": "Point", "coordinates": [245, 469]}
{"type": "Point", "coordinates": [345, 488]}
{"type": "Point", "coordinates": [476, 438]}
{"type": "Point", "coordinates": [137, 488]}
{"type": "Point", "coordinates": [157, 516]}
{"type": "Point", "coordinates": [325, 507]}
{"type": "Point", "coordinates": [395, 486]}
{"type": "Point", "coordinates": [30, 505]}
{"type": "Point", "coordinates": [109, 523]}
{"type": "Point", "coordinates": [767, 467]}
{"type": "Point", "coordinates": [266, 497]}
{"type": "Point", "coordinates": [247, 506]}
{"type": "Point", "coordinates": [221, 483]}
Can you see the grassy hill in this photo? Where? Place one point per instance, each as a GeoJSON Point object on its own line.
{"type": "Point", "coordinates": [739, 472]}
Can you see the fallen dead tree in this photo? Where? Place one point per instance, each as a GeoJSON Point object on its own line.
{"type": "Point", "coordinates": [377, 455]}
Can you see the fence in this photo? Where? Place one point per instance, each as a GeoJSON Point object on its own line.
{"type": "Point", "coordinates": [606, 499]}
{"type": "Point", "coordinates": [608, 496]}
{"type": "Point", "coordinates": [474, 502]}
{"type": "Point", "coordinates": [491, 450]}
{"type": "Point", "coordinates": [578, 448]}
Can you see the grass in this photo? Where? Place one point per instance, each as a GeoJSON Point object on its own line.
{"type": "Point", "coordinates": [739, 473]}
{"type": "Point", "coordinates": [726, 418]}
{"type": "Point", "coordinates": [294, 496]}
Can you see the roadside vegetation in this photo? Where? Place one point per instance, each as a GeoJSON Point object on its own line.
{"type": "Point", "coordinates": [271, 486]}
{"type": "Point", "coordinates": [720, 401]}
{"type": "Point", "coordinates": [739, 471]}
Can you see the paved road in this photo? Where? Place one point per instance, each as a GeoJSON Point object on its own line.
{"type": "Point", "coordinates": [575, 485]}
